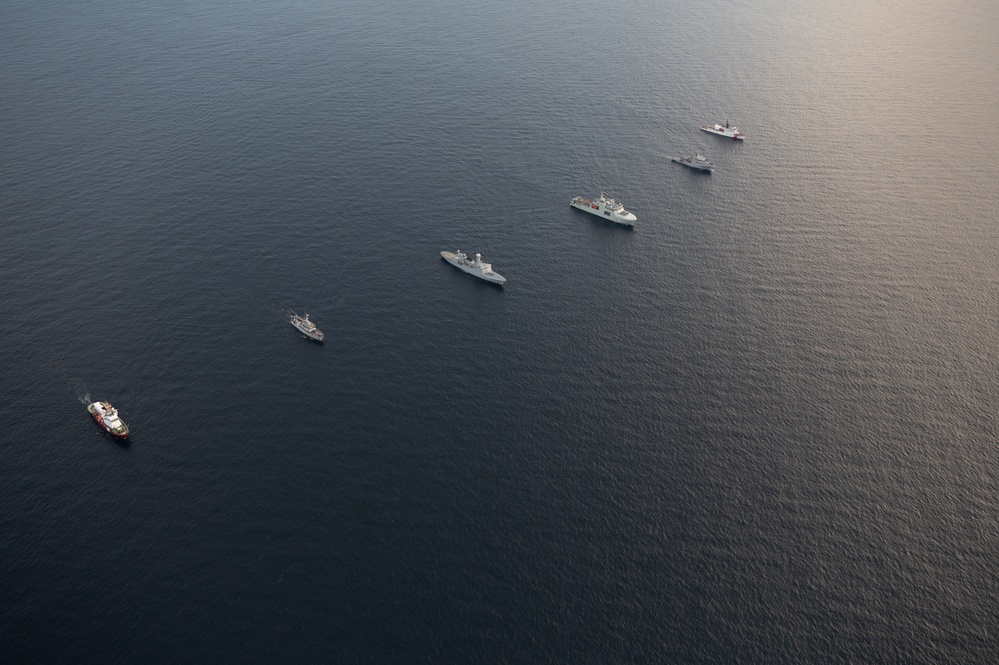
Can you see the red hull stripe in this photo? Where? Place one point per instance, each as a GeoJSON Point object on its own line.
{"type": "Point", "coordinates": [100, 421]}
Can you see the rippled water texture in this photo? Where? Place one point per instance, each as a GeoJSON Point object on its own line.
{"type": "Point", "coordinates": [759, 427]}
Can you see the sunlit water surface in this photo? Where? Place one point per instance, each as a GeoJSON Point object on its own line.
{"type": "Point", "coordinates": [760, 427]}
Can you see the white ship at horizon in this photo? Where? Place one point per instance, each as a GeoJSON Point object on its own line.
{"type": "Point", "coordinates": [605, 208]}
{"type": "Point", "coordinates": [725, 130]}
{"type": "Point", "coordinates": [476, 267]}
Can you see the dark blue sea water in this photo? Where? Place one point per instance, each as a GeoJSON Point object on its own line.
{"type": "Point", "coordinates": [760, 427]}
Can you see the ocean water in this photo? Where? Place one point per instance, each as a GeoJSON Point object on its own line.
{"type": "Point", "coordinates": [759, 427]}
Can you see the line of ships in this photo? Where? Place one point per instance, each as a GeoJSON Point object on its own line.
{"type": "Point", "coordinates": [698, 161]}
{"type": "Point", "coordinates": [606, 208]}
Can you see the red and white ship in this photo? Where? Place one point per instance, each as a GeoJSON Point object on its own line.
{"type": "Point", "coordinates": [107, 417]}
{"type": "Point", "coordinates": [727, 131]}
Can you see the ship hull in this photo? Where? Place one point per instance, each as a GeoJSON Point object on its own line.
{"type": "Point", "coordinates": [100, 421]}
{"type": "Point", "coordinates": [314, 337]}
{"type": "Point", "coordinates": [696, 167]}
{"type": "Point", "coordinates": [605, 214]}
{"type": "Point", "coordinates": [735, 136]}
{"type": "Point", "coordinates": [315, 334]}
{"type": "Point", "coordinates": [495, 278]}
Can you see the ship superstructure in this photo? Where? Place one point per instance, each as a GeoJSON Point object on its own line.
{"type": "Point", "coordinates": [475, 266]}
{"type": "Point", "coordinates": [726, 130]}
{"type": "Point", "coordinates": [107, 417]}
{"type": "Point", "coordinates": [605, 208]}
{"type": "Point", "coordinates": [306, 327]}
{"type": "Point", "coordinates": [695, 161]}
